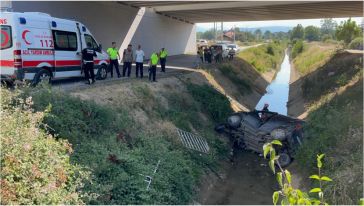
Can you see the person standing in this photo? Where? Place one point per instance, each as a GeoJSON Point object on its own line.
{"type": "Point", "coordinates": [163, 58]}
{"type": "Point", "coordinates": [200, 53]}
{"type": "Point", "coordinates": [139, 59]}
{"type": "Point", "coordinates": [128, 59]}
{"type": "Point", "coordinates": [88, 55]}
{"type": "Point", "coordinates": [205, 54]}
{"type": "Point", "coordinates": [153, 66]}
{"type": "Point", "coordinates": [231, 54]}
{"type": "Point", "coordinates": [114, 59]}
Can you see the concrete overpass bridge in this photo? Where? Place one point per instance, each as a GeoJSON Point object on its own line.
{"type": "Point", "coordinates": [172, 24]}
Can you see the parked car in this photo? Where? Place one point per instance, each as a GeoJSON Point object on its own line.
{"type": "Point", "coordinates": [251, 130]}
{"type": "Point", "coordinates": [38, 47]}
{"type": "Point", "coordinates": [202, 42]}
{"type": "Point", "coordinates": [223, 47]}
{"type": "Point", "coordinates": [234, 47]}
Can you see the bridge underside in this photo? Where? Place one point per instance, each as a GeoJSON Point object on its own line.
{"type": "Point", "coordinates": [171, 24]}
{"type": "Point", "coordinates": [205, 11]}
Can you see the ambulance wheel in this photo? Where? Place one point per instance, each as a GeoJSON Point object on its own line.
{"type": "Point", "coordinates": [42, 76]}
{"type": "Point", "coordinates": [102, 72]}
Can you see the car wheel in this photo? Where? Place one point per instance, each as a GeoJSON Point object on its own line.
{"type": "Point", "coordinates": [220, 128]}
{"type": "Point", "coordinates": [102, 72]}
{"type": "Point", "coordinates": [284, 159]}
{"type": "Point", "coordinates": [42, 76]}
{"type": "Point", "coordinates": [234, 121]}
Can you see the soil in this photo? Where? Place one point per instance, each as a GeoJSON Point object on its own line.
{"type": "Point", "coordinates": [248, 181]}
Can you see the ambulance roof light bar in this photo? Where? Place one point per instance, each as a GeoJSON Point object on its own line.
{"type": "Point", "coordinates": [37, 13]}
{"type": "Point", "coordinates": [6, 9]}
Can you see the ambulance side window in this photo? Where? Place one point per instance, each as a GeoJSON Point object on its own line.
{"type": "Point", "coordinates": [6, 37]}
{"type": "Point", "coordinates": [65, 41]}
{"type": "Point", "coordinates": [88, 38]}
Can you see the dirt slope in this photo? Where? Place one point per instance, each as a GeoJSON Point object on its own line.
{"type": "Point", "coordinates": [308, 89]}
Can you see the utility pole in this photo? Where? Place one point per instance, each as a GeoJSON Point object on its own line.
{"type": "Point", "coordinates": [222, 31]}
{"type": "Point", "coordinates": [214, 31]}
{"type": "Point", "coordinates": [234, 33]}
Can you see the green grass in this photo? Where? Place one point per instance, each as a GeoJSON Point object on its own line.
{"type": "Point", "coordinates": [116, 150]}
{"type": "Point", "coordinates": [312, 57]}
{"type": "Point", "coordinates": [261, 57]}
{"type": "Point", "coordinates": [342, 67]}
{"type": "Point", "coordinates": [230, 72]}
{"type": "Point", "coordinates": [335, 129]}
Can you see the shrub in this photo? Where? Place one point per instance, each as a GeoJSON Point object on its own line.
{"type": "Point", "coordinates": [35, 167]}
{"type": "Point", "coordinates": [357, 43]}
{"type": "Point", "coordinates": [326, 37]}
{"type": "Point", "coordinates": [297, 48]}
{"type": "Point", "coordinates": [270, 50]}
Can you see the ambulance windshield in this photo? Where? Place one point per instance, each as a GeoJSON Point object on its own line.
{"type": "Point", "coordinates": [6, 38]}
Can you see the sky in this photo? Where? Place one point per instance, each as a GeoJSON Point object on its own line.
{"type": "Point", "coordinates": [289, 23]}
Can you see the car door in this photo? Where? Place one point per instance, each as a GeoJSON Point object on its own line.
{"type": "Point", "coordinates": [66, 50]}
{"type": "Point", "coordinates": [95, 46]}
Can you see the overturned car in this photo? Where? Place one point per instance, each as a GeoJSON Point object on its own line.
{"type": "Point", "coordinates": [251, 130]}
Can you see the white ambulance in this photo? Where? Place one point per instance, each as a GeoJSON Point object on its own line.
{"type": "Point", "coordinates": [38, 47]}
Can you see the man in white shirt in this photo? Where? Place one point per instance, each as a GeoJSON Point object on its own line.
{"type": "Point", "coordinates": [139, 58]}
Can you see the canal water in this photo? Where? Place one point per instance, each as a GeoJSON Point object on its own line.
{"type": "Point", "coordinates": [277, 91]}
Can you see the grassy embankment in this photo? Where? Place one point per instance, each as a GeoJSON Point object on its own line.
{"type": "Point", "coordinates": [119, 132]}
{"type": "Point", "coordinates": [313, 56]}
{"type": "Point", "coordinates": [332, 87]}
{"type": "Point", "coordinates": [266, 57]}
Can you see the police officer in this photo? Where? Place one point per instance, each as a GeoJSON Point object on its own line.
{"type": "Point", "coordinates": [88, 55]}
{"type": "Point", "coordinates": [153, 66]}
{"type": "Point", "coordinates": [114, 54]}
{"type": "Point", "coordinates": [163, 59]}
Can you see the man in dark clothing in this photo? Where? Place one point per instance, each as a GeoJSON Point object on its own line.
{"type": "Point", "coordinates": [128, 59]}
{"type": "Point", "coordinates": [88, 55]}
{"type": "Point", "coordinates": [205, 54]}
{"type": "Point", "coordinates": [163, 58]}
{"type": "Point", "coordinates": [265, 116]}
{"type": "Point", "coordinates": [209, 56]}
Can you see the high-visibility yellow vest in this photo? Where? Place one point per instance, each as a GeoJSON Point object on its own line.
{"type": "Point", "coordinates": [164, 54]}
{"type": "Point", "coordinates": [113, 53]}
{"type": "Point", "coordinates": [154, 59]}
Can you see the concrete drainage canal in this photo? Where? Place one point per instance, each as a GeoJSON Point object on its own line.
{"type": "Point", "coordinates": [249, 179]}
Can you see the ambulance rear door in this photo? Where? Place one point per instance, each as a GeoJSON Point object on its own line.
{"type": "Point", "coordinates": [67, 48]}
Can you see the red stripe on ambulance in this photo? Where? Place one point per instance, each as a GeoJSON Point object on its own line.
{"type": "Point", "coordinates": [6, 63]}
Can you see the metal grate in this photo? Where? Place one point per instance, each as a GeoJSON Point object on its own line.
{"type": "Point", "coordinates": [192, 141]}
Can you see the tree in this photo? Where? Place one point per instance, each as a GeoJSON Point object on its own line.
{"type": "Point", "coordinates": [347, 31]}
{"type": "Point", "coordinates": [210, 34]}
{"type": "Point", "coordinates": [268, 35]}
{"type": "Point", "coordinates": [328, 27]}
{"type": "Point", "coordinates": [312, 33]}
{"type": "Point", "coordinates": [297, 32]}
{"type": "Point", "coordinates": [258, 34]}
{"type": "Point", "coordinates": [281, 35]}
